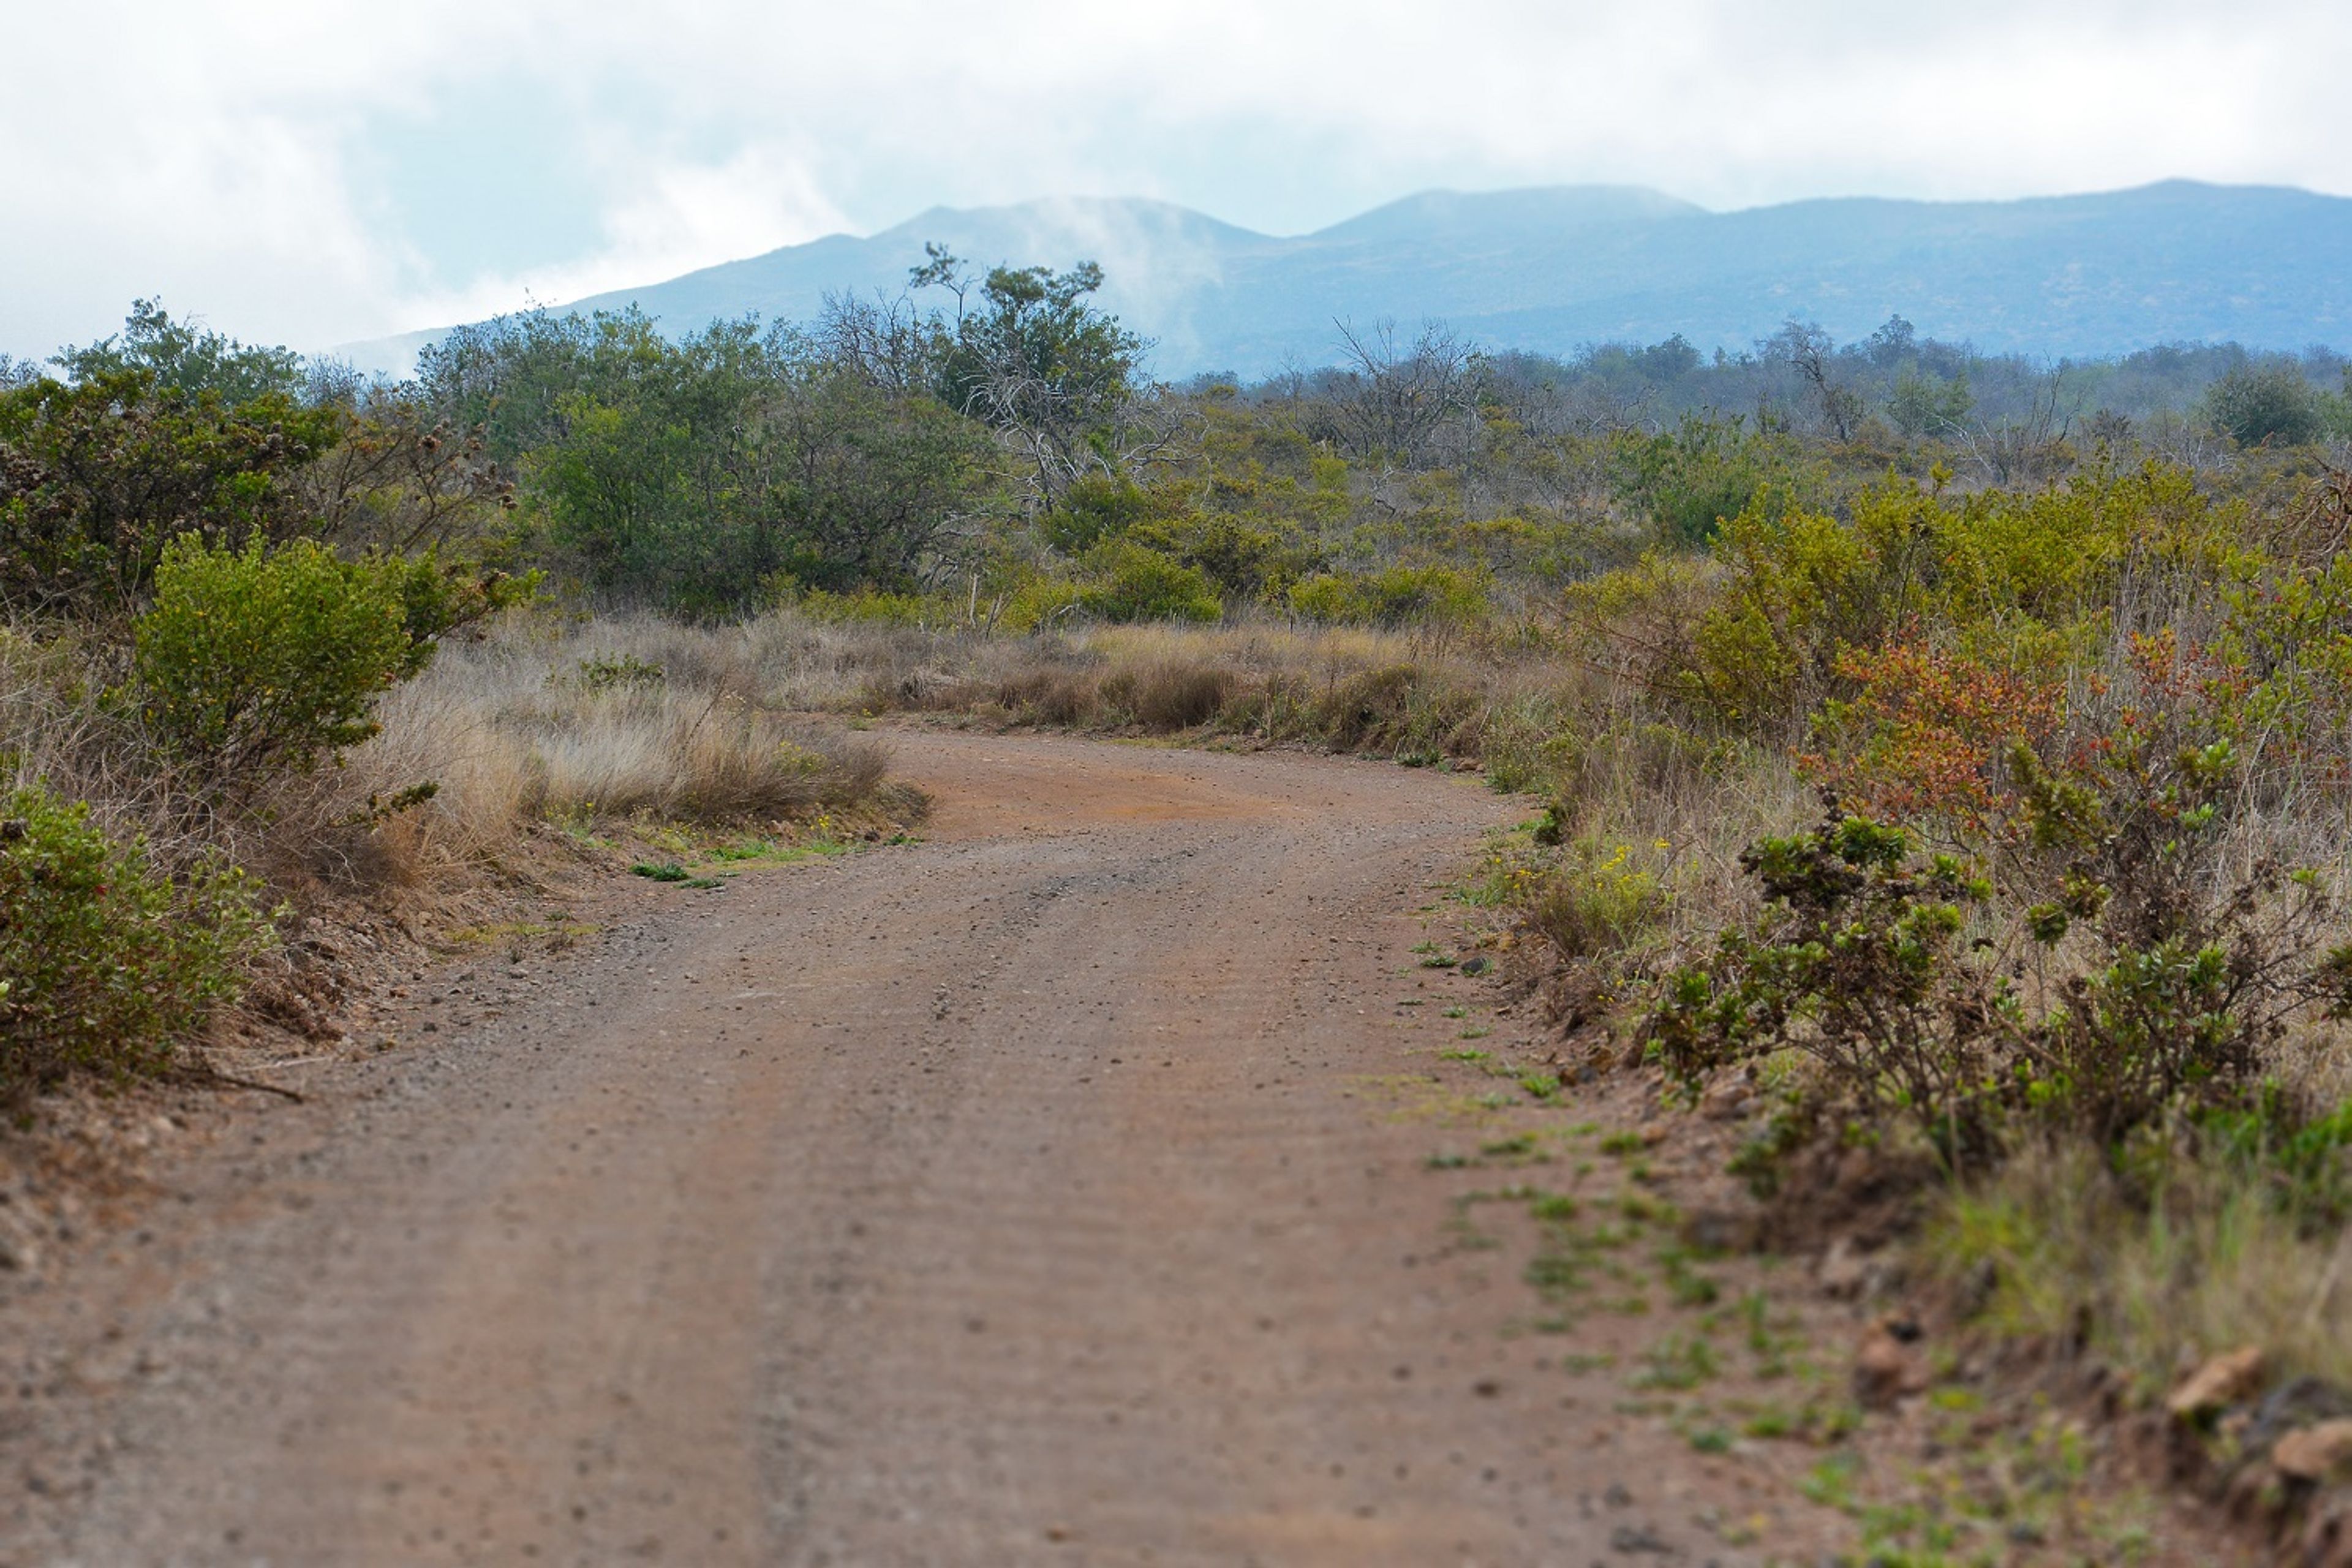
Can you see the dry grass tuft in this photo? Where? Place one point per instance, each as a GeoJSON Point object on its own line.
{"type": "Point", "coordinates": [526, 725]}
{"type": "Point", "coordinates": [581, 721]}
{"type": "Point", "coordinates": [1166, 695]}
{"type": "Point", "coordinates": [2217, 1263]}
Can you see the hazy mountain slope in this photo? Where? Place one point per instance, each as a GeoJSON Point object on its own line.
{"type": "Point", "coordinates": [1555, 268]}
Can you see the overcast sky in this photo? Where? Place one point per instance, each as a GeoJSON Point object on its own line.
{"type": "Point", "coordinates": [329, 170]}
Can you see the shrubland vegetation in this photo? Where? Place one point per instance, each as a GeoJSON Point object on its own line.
{"type": "Point", "coordinates": [1951, 746]}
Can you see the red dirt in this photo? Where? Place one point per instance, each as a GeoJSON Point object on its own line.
{"type": "Point", "coordinates": [1027, 1194]}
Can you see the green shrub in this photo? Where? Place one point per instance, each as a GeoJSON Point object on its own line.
{"type": "Point", "coordinates": [2180, 966]}
{"type": "Point", "coordinates": [97, 478]}
{"type": "Point", "coordinates": [1394, 595]}
{"type": "Point", "coordinates": [106, 964]}
{"type": "Point", "coordinates": [2277, 405]}
{"type": "Point", "coordinates": [1325, 597]}
{"type": "Point", "coordinates": [1093, 508]}
{"type": "Point", "coordinates": [1688, 480]}
{"type": "Point", "coordinates": [1859, 961]}
{"type": "Point", "coordinates": [872, 606]}
{"type": "Point", "coordinates": [253, 659]}
{"type": "Point", "coordinates": [1596, 905]}
{"type": "Point", "coordinates": [1130, 582]}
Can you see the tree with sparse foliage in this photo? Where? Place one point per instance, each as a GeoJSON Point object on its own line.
{"type": "Point", "coordinates": [1033, 359]}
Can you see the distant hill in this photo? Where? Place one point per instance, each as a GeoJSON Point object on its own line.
{"type": "Point", "coordinates": [1553, 269]}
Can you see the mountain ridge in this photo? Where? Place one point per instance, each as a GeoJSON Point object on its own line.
{"type": "Point", "coordinates": [1550, 268]}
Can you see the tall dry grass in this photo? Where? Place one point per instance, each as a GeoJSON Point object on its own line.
{"type": "Point", "coordinates": [606, 720]}
{"type": "Point", "coordinates": [2215, 1263]}
{"type": "Point", "coordinates": [582, 721]}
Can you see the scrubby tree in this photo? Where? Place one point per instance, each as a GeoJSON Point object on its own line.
{"type": "Point", "coordinates": [873, 484]}
{"type": "Point", "coordinates": [2274, 404]}
{"type": "Point", "coordinates": [1031, 357]}
{"type": "Point", "coordinates": [1926, 405]}
{"type": "Point", "coordinates": [98, 475]}
{"type": "Point", "coordinates": [1393, 401]}
{"type": "Point", "coordinates": [1804, 347]}
{"type": "Point", "coordinates": [187, 357]}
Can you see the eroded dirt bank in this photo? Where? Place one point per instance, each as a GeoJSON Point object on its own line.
{"type": "Point", "coordinates": [1021, 1195]}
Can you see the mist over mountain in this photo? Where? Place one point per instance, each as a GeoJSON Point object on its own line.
{"type": "Point", "coordinates": [1553, 269]}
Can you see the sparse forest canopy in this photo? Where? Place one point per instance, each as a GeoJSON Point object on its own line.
{"type": "Point", "coordinates": [994, 431]}
{"type": "Point", "coordinates": [991, 441]}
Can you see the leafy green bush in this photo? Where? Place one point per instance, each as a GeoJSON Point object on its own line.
{"type": "Point", "coordinates": [1093, 508]}
{"type": "Point", "coordinates": [1128, 581]}
{"type": "Point", "coordinates": [107, 965]}
{"type": "Point", "coordinates": [1243, 561]}
{"type": "Point", "coordinates": [2179, 967]}
{"type": "Point", "coordinates": [1394, 595]}
{"type": "Point", "coordinates": [256, 659]}
{"type": "Point", "coordinates": [1689, 479]}
{"type": "Point", "coordinates": [97, 479]}
{"type": "Point", "coordinates": [1859, 961]}
{"type": "Point", "coordinates": [871, 606]}
{"type": "Point", "coordinates": [2277, 405]}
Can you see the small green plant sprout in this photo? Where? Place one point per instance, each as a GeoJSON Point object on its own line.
{"type": "Point", "coordinates": [1712, 1439]}
{"type": "Point", "coordinates": [660, 871]}
{"type": "Point", "coordinates": [1679, 1361]}
{"type": "Point", "coordinates": [1456, 1011]}
{"type": "Point", "coordinates": [1553, 1208]}
{"type": "Point", "coordinates": [1686, 1285]}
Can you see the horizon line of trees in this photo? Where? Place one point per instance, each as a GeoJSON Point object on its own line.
{"type": "Point", "coordinates": [989, 427]}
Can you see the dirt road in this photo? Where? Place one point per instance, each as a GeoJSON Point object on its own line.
{"type": "Point", "coordinates": [1020, 1196]}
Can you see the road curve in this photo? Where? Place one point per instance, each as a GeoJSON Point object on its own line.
{"type": "Point", "coordinates": [1017, 1196]}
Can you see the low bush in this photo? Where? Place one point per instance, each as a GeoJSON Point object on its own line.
{"type": "Point", "coordinates": [1128, 581]}
{"type": "Point", "coordinates": [1440, 597]}
{"type": "Point", "coordinates": [107, 964]}
{"type": "Point", "coordinates": [1599, 905]}
{"type": "Point", "coordinates": [1926, 1002]}
{"type": "Point", "coordinates": [257, 660]}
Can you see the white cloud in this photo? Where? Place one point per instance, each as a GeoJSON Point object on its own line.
{"type": "Point", "coordinates": [221, 155]}
{"type": "Point", "coordinates": [668, 219]}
